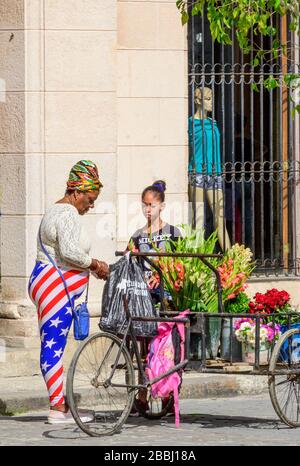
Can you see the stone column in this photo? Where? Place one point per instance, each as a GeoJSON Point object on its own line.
{"type": "Point", "coordinates": [19, 203]}
{"type": "Point", "coordinates": [152, 109]}
{"type": "Point", "coordinates": [58, 66]}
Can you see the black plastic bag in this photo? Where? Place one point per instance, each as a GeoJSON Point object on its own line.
{"type": "Point", "coordinates": [126, 278]}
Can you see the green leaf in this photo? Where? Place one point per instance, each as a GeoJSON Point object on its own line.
{"type": "Point", "coordinates": [254, 87]}
{"type": "Point", "coordinates": [271, 83]}
{"type": "Point", "coordinates": [242, 15]}
{"type": "Point", "coordinates": [277, 4]}
{"type": "Point", "coordinates": [184, 18]}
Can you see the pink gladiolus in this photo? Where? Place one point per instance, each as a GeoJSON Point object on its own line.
{"type": "Point", "coordinates": [177, 285]}
{"type": "Point", "coordinates": [235, 281]}
{"type": "Point", "coordinates": [179, 267]}
{"type": "Point", "coordinates": [181, 275]}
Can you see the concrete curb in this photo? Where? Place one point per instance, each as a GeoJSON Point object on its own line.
{"type": "Point", "coordinates": [22, 399]}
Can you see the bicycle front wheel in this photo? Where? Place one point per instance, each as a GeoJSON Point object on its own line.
{"type": "Point", "coordinates": [285, 388]}
{"type": "Point", "coordinates": [98, 385]}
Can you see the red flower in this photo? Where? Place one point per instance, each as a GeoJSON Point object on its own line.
{"type": "Point", "coordinates": [180, 270]}
{"type": "Point", "coordinates": [177, 285]}
{"type": "Point", "coordinates": [269, 302]}
{"type": "Point", "coordinates": [260, 307]}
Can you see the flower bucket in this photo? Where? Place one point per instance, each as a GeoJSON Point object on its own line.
{"type": "Point", "coordinates": [285, 354]}
{"type": "Point", "coordinates": [196, 348]}
{"type": "Point", "coordinates": [249, 354]}
{"type": "Point", "coordinates": [236, 347]}
{"type": "Point", "coordinates": [213, 335]}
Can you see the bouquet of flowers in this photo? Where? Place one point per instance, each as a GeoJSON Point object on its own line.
{"type": "Point", "coordinates": [273, 301]}
{"type": "Point", "coordinates": [245, 332]}
{"type": "Point", "coordinates": [188, 280]}
{"type": "Point", "coordinates": [192, 284]}
{"type": "Point", "coordinates": [235, 269]}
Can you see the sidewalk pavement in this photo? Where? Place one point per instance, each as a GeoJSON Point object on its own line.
{"type": "Point", "coordinates": [24, 394]}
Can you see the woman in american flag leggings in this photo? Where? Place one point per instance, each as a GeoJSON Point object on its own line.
{"type": "Point", "coordinates": [67, 244]}
{"type": "Point", "coordinates": [55, 317]}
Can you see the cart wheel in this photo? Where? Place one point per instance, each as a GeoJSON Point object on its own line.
{"type": "Point", "coordinates": [156, 408]}
{"type": "Point", "coordinates": [285, 389]}
{"type": "Point", "coordinates": [90, 389]}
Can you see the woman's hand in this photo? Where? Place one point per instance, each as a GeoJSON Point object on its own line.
{"type": "Point", "coordinates": [100, 269]}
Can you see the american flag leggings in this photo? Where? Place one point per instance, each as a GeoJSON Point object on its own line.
{"type": "Point", "coordinates": [55, 317]}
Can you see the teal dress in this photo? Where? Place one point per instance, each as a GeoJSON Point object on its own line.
{"type": "Point", "coordinates": [205, 153]}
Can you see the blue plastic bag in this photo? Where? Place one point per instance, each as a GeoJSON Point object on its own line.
{"type": "Point", "coordinates": [294, 353]}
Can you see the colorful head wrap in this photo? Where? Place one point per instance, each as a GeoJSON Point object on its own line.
{"type": "Point", "coordinates": [84, 177]}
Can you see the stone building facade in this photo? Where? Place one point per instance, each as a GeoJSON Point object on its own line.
{"type": "Point", "coordinates": [104, 80]}
{"type": "Point", "coordinates": [98, 79]}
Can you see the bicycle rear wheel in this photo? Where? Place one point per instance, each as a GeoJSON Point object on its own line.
{"type": "Point", "coordinates": [93, 389]}
{"type": "Point", "coordinates": [284, 389]}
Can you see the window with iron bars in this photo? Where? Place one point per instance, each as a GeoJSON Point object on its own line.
{"type": "Point", "coordinates": [244, 154]}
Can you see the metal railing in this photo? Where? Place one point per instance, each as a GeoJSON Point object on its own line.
{"type": "Point", "coordinates": [258, 149]}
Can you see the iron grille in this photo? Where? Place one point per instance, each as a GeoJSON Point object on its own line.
{"type": "Point", "coordinates": [259, 148]}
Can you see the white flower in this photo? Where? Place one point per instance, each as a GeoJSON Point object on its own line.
{"type": "Point", "coordinates": [245, 326]}
{"type": "Point", "coordinates": [263, 333]}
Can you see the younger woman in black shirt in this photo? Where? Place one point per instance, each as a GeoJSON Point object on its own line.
{"type": "Point", "coordinates": [151, 238]}
{"type": "Point", "coordinates": [154, 234]}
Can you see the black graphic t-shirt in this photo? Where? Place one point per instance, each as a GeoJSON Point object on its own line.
{"type": "Point", "coordinates": [144, 243]}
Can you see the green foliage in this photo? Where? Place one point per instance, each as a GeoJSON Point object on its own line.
{"type": "Point", "coordinates": [199, 281]}
{"type": "Point", "coordinates": [282, 318]}
{"type": "Point", "coordinates": [192, 283]}
{"type": "Point", "coordinates": [242, 17]}
{"type": "Point", "coordinates": [237, 305]}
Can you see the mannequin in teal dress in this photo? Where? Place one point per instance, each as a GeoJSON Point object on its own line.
{"type": "Point", "coordinates": [205, 181]}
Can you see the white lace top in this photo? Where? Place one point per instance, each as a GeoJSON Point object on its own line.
{"type": "Point", "coordinates": [64, 238]}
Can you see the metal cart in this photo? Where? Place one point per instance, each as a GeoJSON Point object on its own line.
{"type": "Point", "coordinates": [102, 377]}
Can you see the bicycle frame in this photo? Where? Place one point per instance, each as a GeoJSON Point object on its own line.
{"type": "Point", "coordinates": [201, 316]}
{"type": "Point", "coordinates": [129, 331]}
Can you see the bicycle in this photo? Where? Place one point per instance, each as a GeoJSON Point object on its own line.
{"type": "Point", "coordinates": [102, 377]}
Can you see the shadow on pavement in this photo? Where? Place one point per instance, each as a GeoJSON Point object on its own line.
{"type": "Point", "coordinates": [203, 421]}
